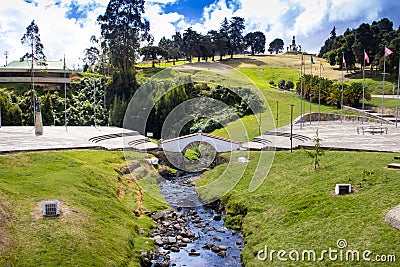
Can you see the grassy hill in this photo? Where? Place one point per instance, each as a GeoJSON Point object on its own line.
{"type": "Point", "coordinates": [98, 226]}
{"type": "Point", "coordinates": [295, 208]}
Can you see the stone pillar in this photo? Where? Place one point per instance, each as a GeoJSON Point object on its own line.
{"type": "Point", "coordinates": [38, 119]}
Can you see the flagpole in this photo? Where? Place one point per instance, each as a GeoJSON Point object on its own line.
{"type": "Point", "coordinates": [310, 85]}
{"type": "Point", "coordinates": [363, 93]}
{"type": "Point", "coordinates": [341, 98]}
{"type": "Point", "coordinates": [33, 88]}
{"type": "Point", "coordinates": [319, 92]}
{"type": "Point", "coordinates": [301, 91]}
{"type": "Point", "coordinates": [65, 96]}
{"type": "Point", "coordinates": [383, 84]}
{"type": "Point", "coordinates": [397, 99]}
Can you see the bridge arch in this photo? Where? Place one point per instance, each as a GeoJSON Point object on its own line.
{"type": "Point", "coordinates": [180, 144]}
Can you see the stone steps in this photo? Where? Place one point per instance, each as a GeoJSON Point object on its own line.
{"type": "Point", "coordinates": [99, 138]}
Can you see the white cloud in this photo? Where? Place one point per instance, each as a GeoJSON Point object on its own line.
{"type": "Point", "coordinates": [58, 34]}
{"type": "Point", "coordinates": [164, 2]}
{"type": "Point", "coordinates": [161, 24]}
{"type": "Point", "coordinates": [213, 15]}
{"type": "Point", "coordinates": [345, 10]}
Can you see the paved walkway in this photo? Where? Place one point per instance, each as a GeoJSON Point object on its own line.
{"type": "Point", "coordinates": [22, 138]}
{"type": "Point", "coordinates": [386, 96]}
{"type": "Point", "coordinates": [344, 136]}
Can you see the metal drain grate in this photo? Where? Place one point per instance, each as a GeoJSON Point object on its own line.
{"type": "Point", "coordinates": [51, 208]}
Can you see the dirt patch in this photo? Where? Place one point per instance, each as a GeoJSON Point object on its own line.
{"type": "Point", "coordinates": [5, 222]}
{"type": "Point", "coordinates": [121, 192]}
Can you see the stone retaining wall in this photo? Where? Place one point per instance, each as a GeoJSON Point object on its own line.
{"type": "Point", "coordinates": [390, 111]}
{"type": "Point", "coordinates": [336, 117]}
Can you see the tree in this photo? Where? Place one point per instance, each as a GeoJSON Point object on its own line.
{"type": "Point", "coordinates": [213, 35]}
{"type": "Point", "coordinates": [152, 52]}
{"type": "Point", "coordinates": [235, 31]}
{"type": "Point", "coordinates": [333, 34]}
{"type": "Point", "coordinates": [167, 46]}
{"type": "Point", "coordinates": [177, 45]}
{"type": "Point", "coordinates": [363, 41]}
{"type": "Point", "coordinates": [354, 93]}
{"type": "Point", "coordinates": [11, 113]}
{"type": "Point", "coordinates": [123, 29]}
{"type": "Point", "coordinates": [335, 95]}
{"type": "Point", "coordinates": [32, 39]}
{"type": "Point", "coordinates": [47, 109]}
{"type": "Point", "coordinates": [289, 85]}
{"type": "Point", "coordinates": [256, 42]}
{"type": "Point", "coordinates": [92, 54]}
{"type": "Point", "coordinates": [117, 112]}
{"type": "Point", "coordinates": [276, 46]}
{"type": "Point", "coordinates": [190, 43]}
{"type": "Point", "coordinates": [222, 41]}
{"type": "Point", "coordinates": [206, 47]}
{"type": "Point", "coordinates": [281, 84]}
{"type": "Point", "coordinates": [317, 152]}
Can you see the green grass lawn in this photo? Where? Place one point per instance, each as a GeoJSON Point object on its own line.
{"type": "Point", "coordinates": [295, 207]}
{"type": "Point", "coordinates": [374, 86]}
{"type": "Point", "coordinates": [97, 228]}
{"type": "Point", "coordinates": [388, 102]}
{"type": "Point", "coordinates": [262, 75]}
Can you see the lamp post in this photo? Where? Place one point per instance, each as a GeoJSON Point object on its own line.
{"type": "Point", "coordinates": [291, 128]}
{"type": "Point", "coordinates": [277, 113]}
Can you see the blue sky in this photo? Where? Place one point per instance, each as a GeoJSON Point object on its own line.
{"type": "Point", "coordinates": [67, 25]}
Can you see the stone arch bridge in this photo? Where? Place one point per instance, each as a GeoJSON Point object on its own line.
{"type": "Point", "coordinates": [180, 144]}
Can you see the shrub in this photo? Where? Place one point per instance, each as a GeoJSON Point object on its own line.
{"type": "Point", "coordinates": [281, 84]}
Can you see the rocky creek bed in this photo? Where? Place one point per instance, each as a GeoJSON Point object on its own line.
{"type": "Point", "coordinates": [191, 234]}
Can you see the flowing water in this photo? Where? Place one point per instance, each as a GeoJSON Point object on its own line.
{"type": "Point", "coordinates": [212, 243]}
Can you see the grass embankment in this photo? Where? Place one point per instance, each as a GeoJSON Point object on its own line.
{"type": "Point", "coordinates": [388, 102]}
{"type": "Point", "coordinates": [98, 226]}
{"type": "Point", "coordinates": [375, 85]}
{"type": "Point", "coordinates": [295, 207]}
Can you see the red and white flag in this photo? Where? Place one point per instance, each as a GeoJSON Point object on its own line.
{"type": "Point", "coordinates": [366, 57]}
{"type": "Point", "coordinates": [344, 63]}
{"type": "Point", "coordinates": [388, 52]}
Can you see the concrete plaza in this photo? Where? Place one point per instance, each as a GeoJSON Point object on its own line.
{"type": "Point", "coordinates": [22, 138]}
{"type": "Point", "coordinates": [333, 134]}
{"type": "Point", "coordinates": [345, 136]}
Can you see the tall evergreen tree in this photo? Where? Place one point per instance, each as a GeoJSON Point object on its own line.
{"type": "Point", "coordinates": [190, 43]}
{"type": "Point", "coordinates": [177, 45]}
{"type": "Point", "coordinates": [236, 28]}
{"type": "Point", "coordinates": [123, 29]}
{"type": "Point", "coordinates": [222, 43]}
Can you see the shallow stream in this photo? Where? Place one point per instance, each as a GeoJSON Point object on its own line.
{"type": "Point", "coordinates": [194, 234]}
